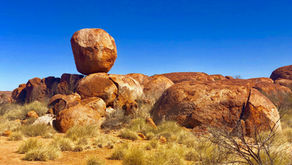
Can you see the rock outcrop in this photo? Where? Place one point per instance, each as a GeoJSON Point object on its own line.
{"type": "Point", "coordinates": [94, 51]}
{"type": "Point", "coordinates": [217, 105]}
{"type": "Point", "coordinates": [284, 72]}
{"type": "Point", "coordinates": [5, 97]}
{"type": "Point", "coordinates": [98, 85]}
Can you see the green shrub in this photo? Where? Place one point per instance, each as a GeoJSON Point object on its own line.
{"type": "Point", "coordinates": [28, 145]}
{"type": "Point", "coordinates": [15, 136]}
{"type": "Point", "coordinates": [43, 153]}
{"type": "Point", "coordinates": [128, 134]}
{"type": "Point", "coordinates": [78, 132]}
{"type": "Point", "coordinates": [94, 160]}
{"type": "Point", "coordinates": [36, 130]}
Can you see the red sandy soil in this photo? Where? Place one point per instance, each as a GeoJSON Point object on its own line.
{"type": "Point", "coordinates": [8, 155]}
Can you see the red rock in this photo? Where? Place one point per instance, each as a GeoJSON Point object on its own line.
{"type": "Point", "coordinates": [96, 104]}
{"type": "Point", "coordinates": [68, 83]}
{"type": "Point", "coordinates": [94, 51]}
{"type": "Point", "coordinates": [7, 133]}
{"type": "Point", "coordinates": [32, 114]}
{"type": "Point", "coordinates": [76, 115]}
{"type": "Point", "coordinates": [129, 90]}
{"type": "Point", "coordinates": [98, 85]}
{"type": "Point", "coordinates": [215, 104]}
{"type": "Point", "coordinates": [284, 82]}
{"type": "Point", "coordinates": [60, 102]}
{"type": "Point", "coordinates": [229, 77]}
{"type": "Point", "coordinates": [177, 77]}
{"type": "Point", "coordinates": [141, 78]}
{"type": "Point", "coordinates": [151, 122]}
{"type": "Point", "coordinates": [154, 87]}
{"type": "Point", "coordinates": [284, 72]}
{"type": "Point", "coordinates": [19, 94]}
{"type": "Point", "coordinates": [216, 77]}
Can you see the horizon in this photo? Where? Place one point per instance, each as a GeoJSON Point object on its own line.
{"type": "Point", "coordinates": [250, 39]}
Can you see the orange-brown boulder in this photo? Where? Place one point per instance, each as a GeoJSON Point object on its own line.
{"type": "Point", "coordinates": [60, 102]}
{"type": "Point", "coordinates": [96, 104]}
{"type": "Point", "coordinates": [129, 91]}
{"type": "Point", "coordinates": [284, 72]}
{"type": "Point", "coordinates": [76, 115]}
{"type": "Point", "coordinates": [68, 83]}
{"type": "Point", "coordinates": [284, 82]}
{"type": "Point", "coordinates": [32, 114]}
{"type": "Point", "coordinates": [215, 104]}
{"type": "Point", "coordinates": [216, 77]}
{"type": "Point", "coordinates": [154, 87]}
{"type": "Point", "coordinates": [141, 78]}
{"type": "Point", "coordinates": [177, 77]}
{"type": "Point", "coordinates": [94, 51]}
{"type": "Point", "coordinates": [35, 90]}
{"type": "Point", "coordinates": [19, 94]}
{"type": "Point", "coordinates": [98, 85]}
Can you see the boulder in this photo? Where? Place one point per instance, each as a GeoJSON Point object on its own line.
{"type": "Point", "coordinates": [94, 51]}
{"type": "Point", "coordinates": [284, 82]}
{"type": "Point", "coordinates": [177, 77]}
{"type": "Point", "coordinates": [68, 83]}
{"type": "Point", "coordinates": [216, 77]}
{"type": "Point", "coordinates": [98, 85]}
{"type": "Point", "coordinates": [129, 91]}
{"type": "Point", "coordinates": [76, 115]}
{"type": "Point", "coordinates": [60, 102]}
{"type": "Point", "coordinates": [19, 94]}
{"type": "Point", "coordinates": [32, 114]}
{"type": "Point", "coordinates": [141, 78]}
{"type": "Point", "coordinates": [45, 119]}
{"type": "Point", "coordinates": [154, 87]}
{"type": "Point", "coordinates": [35, 90]}
{"type": "Point", "coordinates": [217, 105]}
{"type": "Point", "coordinates": [95, 103]}
{"type": "Point", "coordinates": [284, 72]}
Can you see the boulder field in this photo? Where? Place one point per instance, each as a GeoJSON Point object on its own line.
{"type": "Point", "coordinates": [195, 100]}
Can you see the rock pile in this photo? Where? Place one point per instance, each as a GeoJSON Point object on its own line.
{"type": "Point", "coordinates": [194, 99]}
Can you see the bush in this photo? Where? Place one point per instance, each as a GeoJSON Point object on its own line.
{"type": "Point", "coordinates": [119, 152]}
{"type": "Point", "coordinates": [15, 136]}
{"type": "Point", "coordinates": [78, 132]}
{"type": "Point", "coordinates": [64, 144]}
{"type": "Point", "coordinates": [37, 130]}
{"type": "Point", "coordinates": [13, 111]}
{"type": "Point", "coordinates": [128, 134]}
{"type": "Point", "coordinates": [28, 145]}
{"type": "Point", "coordinates": [134, 156]}
{"type": "Point", "coordinates": [8, 125]}
{"type": "Point", "coordinates": [94, 160]}
{"type": "Point", "coordinates": [43, 153]}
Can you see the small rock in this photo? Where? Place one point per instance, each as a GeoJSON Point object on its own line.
{"type": "Point", "coordinates": [162, 139]}
{"type": "Point", "coordinates": [6, 133]}
{"type": "Point", "coordinates": [32, 114]}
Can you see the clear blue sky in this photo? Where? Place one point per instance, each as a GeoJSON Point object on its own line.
{"type": "Point", "coordinates": [250, 38]}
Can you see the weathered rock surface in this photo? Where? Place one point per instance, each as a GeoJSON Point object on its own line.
{"type": "Point", "coordinates": [19, 94]}
{"type": "Point", "coordinates": [45, 119]}
{"type": "Point", "coordinates": [217, 105]}
{"type": "Point", "coordinates": [154, 87]}
{"type": "Point", "coordinates": [5, 97]}
{"type": "Point", "coordinates": [284, 82]}
{"type": "Point", "coordinates": [60, 102]}
{"type": "Point", "coordinates": [98, 85]}
{"type": "Point", "coordinates": [68, 83]}
{"type": "Point", "coordinates": [76, 115]}
{"type": "Point", "coordinates": [141, 78]}
{"type": "Point", "coordinates": [94, 51]}
{"type": "Point", "coordinates": [129, 91]}
{"type": "Point", "coordinates": [177, 77]}
{"type": "Point", "coordinates": [284, 72]}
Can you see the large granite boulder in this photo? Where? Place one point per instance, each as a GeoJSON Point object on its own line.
{"type": "Point", "coordinates": [201, 105]}
{"type": "Point", "coordinates": [94, 51]}
{"type": "Point", "coordinates": [284, 72]}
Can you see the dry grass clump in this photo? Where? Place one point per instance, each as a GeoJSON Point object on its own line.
{"type": "Point", "coordinates": [134, 156]}
{"type": "Point", "coordinates": [64, 144]}
{"type": "Point", "coordinates": [36, 150]}
{"type": "Point", "coordinates": [8, 125]}
{"type": "Point", "coordinates": [14, 111]}
{"type": "Point", "coordinates": [43, 130]}
{"type": "Point", "coordinates": [119, 152]}
{"type": "Point", "coordinates": [94, 160]}
{"type": "Point", "coordinates": [77, 132]}
{"type": "Point", "coordinates": [15, 136]}
{"type": "Point", "coordinates": [128, 134]}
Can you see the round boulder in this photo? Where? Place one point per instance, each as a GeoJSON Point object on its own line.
{"type": "Point", "coordinates": [94, 51]}
{"type": "Point", "coordinates": [284, 72]}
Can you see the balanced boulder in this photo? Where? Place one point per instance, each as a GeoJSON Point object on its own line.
{"type": "Point", "coordinates": [94, 51]}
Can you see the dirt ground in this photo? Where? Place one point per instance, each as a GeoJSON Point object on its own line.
{"type": "Point", "coordinates": [9, 156]}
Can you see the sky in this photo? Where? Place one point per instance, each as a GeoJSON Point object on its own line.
{"type": "Point", "coordinates": [250, 38]}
